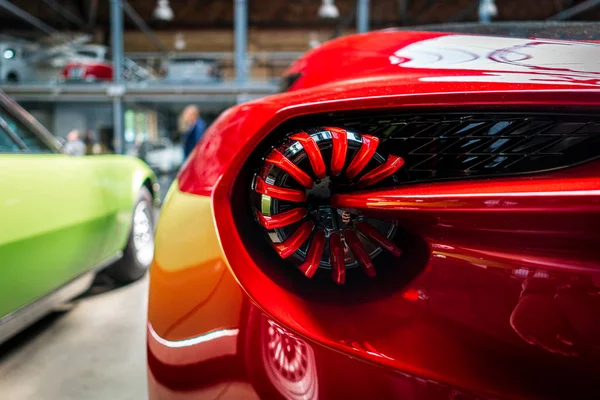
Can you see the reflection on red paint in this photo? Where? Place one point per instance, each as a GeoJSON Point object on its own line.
{"type": "Point", "coordinates": [411, 295]}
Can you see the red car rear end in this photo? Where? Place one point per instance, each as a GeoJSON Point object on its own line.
{"type": "Point", "coordinates": [416, 218]}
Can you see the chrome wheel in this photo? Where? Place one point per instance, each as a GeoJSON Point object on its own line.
{"type": "Point", "coordinates": [143, 234]}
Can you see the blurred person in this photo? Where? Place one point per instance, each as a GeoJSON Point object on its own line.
{"type": "Point", "coordinates": [74, 145]}
{"type": "Point", "coordinates": [194, 127]}
{"type": "Point", "coordinates": [91, 143]}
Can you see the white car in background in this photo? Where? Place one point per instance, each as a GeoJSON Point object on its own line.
{"type": "Point", "coordinates": [15, 61]}
{"type": "Point", "coordinates": [163, 157]}
{"type": "Point", "coordinates": [193, 70]}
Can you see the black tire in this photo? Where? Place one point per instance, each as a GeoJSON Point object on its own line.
{"type": "Point", "coordinates": [132, 266]}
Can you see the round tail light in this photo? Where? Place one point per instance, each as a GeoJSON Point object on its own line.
{"type": "Point", "coordinates": [294, 186]}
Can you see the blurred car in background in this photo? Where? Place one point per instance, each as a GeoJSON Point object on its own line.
{"type": "Point", "coordinates": [64, 218]}
{"type": "Point", "coordinates": [91, 63]}
{"type": "Point", "coordinates": [93, 71]}
{"type": "Point", "coordinates": [89, 52]}
{"type": "Point", "coordinates": [193, 70]}
{"type": "Point", "coordinates": [88, 71]}
{"type": "Point", "coordinates": [163, 157]}
{"type": "Point", "coordinates": [45, 61]}
{"type": "Point", "coordinates": [15, 61]}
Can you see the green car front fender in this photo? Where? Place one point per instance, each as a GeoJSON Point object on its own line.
{"type": "Point", "coordinates": [121, 179]}
{"type": "Point", "coordinates": [60, 216]}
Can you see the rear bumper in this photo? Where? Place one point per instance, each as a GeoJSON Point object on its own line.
{"type": "Point", "coordinates": [503, 304]}
{"type": "Point", "coordinates": [460, 328]}
{"type": "Point", "coordinates": [206, 339]}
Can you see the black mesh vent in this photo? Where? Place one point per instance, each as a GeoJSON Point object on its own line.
{"type": "Point", "coordinates": [461, 145]}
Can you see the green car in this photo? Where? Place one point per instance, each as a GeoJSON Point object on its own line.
{"type": "Point", "coordinates": [64, 218]}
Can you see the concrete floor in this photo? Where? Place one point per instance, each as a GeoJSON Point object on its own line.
{"type": "Point", "coordinates": [95, 350]}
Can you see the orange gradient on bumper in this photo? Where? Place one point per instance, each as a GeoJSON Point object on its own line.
{"type": "Point", "coordinates": [191, 290]}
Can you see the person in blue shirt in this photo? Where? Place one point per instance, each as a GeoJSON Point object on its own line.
{"type": "Point", "coordinates": [194, 129]}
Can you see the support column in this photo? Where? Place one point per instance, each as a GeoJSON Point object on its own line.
{"type": "Point", "coordinates": [116, 35]}
{"type": "Point", "coordinates": [362, 16]}
{"type": "Point", "coordinates": [241, 40]}
{"type": "Point", "coordinates": [118, 122]}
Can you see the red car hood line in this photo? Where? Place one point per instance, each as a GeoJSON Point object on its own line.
{"type": "Point", "coordinates": [449, 57]}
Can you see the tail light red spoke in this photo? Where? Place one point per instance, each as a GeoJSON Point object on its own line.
{"type": "Point", "coordinates": [381, 172]}
{"type": "Point", "coordinates": [339, 138]}
{"type": "Point", "coordinates": [313, 153]}
{"type": "Point", "coordinates": [338, 264]}
{"type": "Point", "coordinates": [282, 219]}
{"type": "Point", "coordinates": [363, 156]}
{"type": "Point", "coordinates": [277, 192]}
{"type": "Point", "coordinates": [359, 252]}
{"type": "Point", "coordinates": [378, 237]}
{"type": "Point", "coordinates": [293, 243]}
{"type": "Point", "coordinates": [315, 252]}
{"type": "Point", "coordinates": [276, 158]}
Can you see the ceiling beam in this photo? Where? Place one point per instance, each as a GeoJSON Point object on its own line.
{"type": "Point", "coordinates": [575, 10]}
{"type": "Point", "coordinates": [92, 13]}
{"type": "Point", "coordinates": [66, 13]}
{"type": "Point", "coordinates": [141, 24]}
{"type": "Point", "coordinates": [421, 9]}
{"type": "Point", "coordinates": [25, 16]}
{"type": "Point", "coordinates": [402, 10]}
{"type": "Point", "coordinates": [465, 12]}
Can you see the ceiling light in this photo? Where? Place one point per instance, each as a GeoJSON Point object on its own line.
{"type": "Point", "coordinates": [8, 54]}
{"type": "Point", "coordinates": [328, 9]}
{"type": "Point", "coordinates": [163, 11]}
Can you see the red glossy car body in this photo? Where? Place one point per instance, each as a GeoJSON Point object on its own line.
{"type": "Point", "coordinates": [496, 293]}
{"type": "Point", "coordinates": [88, 71]}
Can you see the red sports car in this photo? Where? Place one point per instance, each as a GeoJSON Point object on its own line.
{"type": "Point", "coordinates": [416, 217]}
{"type": "Point", "coordinates": [89, 71]}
